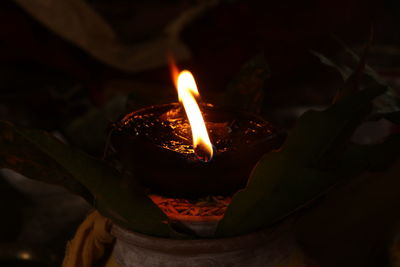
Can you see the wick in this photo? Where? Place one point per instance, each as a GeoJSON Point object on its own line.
{"type": "Point", "coordinates": [202, 153]}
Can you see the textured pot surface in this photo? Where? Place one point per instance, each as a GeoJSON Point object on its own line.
{"type": "Point", "coordinates": [271, 247]}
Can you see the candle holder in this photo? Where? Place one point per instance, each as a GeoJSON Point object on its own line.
{"type": "Point", "coordinates": [155, 144]}
{"type": "Point", "coordinates": [267, 248]}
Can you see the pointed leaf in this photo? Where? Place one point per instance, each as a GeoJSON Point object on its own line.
{"type": "Point", "coordinates": [21, 155]}
{"type": "Point", "coordinates": [285, 180]}
{"type": "Point", "coordinates": [116, 198]}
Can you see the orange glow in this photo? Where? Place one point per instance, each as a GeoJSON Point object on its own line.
{"type": "Point", "coordinates": [187, 93]}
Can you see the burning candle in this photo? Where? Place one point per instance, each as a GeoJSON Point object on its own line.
{"type": "Point", "coordinates": [187, 91]}
{"type": "Point", "coordinates": [192, 149]}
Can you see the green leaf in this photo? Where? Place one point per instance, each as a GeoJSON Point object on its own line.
{"type": "Point", "coordinates": [320, 135]}
{"type": "Point", "coordinates": [387, 104]}
{"type": "Point", "coordinates": [266, 201]}
{"type": "Point", "coordinates": [246, 90]}
{"type": "Point", "coordinates": [39, 155]}
{"type": "Point", "coordinates": [21, 155]}
{"type": "Point", "coordinates": [89, 131]}
{"type": "Point", "coordinates": [284, 181]}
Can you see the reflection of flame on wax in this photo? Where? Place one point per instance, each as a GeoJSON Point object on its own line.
{"type": "Point", "coordinates": [187, 93]}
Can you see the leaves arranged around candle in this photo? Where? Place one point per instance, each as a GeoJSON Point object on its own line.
{"type": "Point", "coordinates": [40, 156]}
{"type": "Point", "coordinates": [317, 155]}
{"type": "Point", "coordinates": [309, 163]}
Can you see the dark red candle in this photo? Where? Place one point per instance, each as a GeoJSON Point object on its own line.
{"type": "Point", "coordinates": [187, 150]}
{"type": "Point", "coordinates": [155, 144]}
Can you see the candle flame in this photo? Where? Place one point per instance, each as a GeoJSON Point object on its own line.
{"type": "Point", "coordinates": [187, 93]}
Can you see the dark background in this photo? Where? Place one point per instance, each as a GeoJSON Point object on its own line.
{"type": "Point", "coordinates": [51, 83]}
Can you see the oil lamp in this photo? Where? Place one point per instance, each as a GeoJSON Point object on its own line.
{"type": "Point", "coordinates": [192, 149]}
